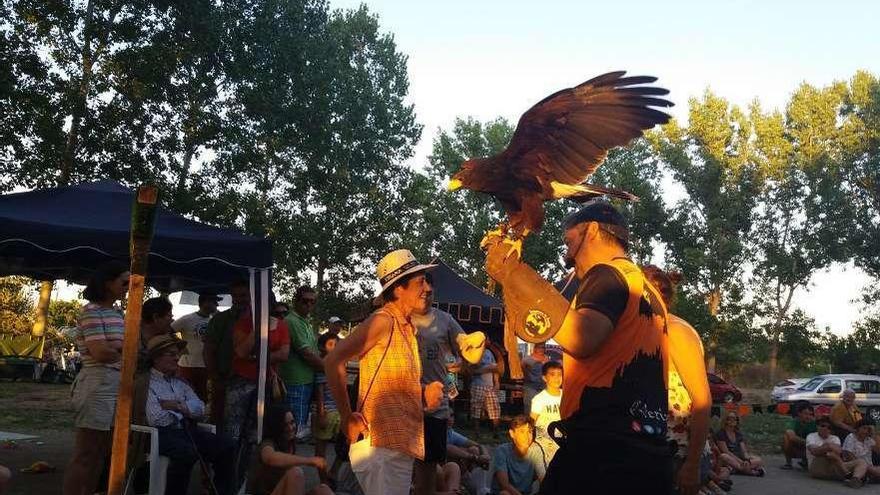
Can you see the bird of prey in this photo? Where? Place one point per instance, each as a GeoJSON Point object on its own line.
{"type": "Point", "coordinates": [560, 142]}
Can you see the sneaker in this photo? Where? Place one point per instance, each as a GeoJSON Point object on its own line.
{"type": "Point", "coordinates": [787, 466]}
{"type": "Point", "coordinates": [803, 464]}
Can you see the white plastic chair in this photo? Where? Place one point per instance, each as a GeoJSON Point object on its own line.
{"type": "Point", "coordinates": [159, 463]}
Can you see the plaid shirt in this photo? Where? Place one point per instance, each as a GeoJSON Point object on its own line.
{"type": "Point", "coordinates": [393, 407]}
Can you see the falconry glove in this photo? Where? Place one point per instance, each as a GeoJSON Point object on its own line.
{"type": "Point", "coordinates": [534, 308]}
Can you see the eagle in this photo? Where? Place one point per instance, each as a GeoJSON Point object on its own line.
{"type": "Point", "coordinates": [558, 144]}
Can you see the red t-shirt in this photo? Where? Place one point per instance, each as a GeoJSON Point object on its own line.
{"type": "Point", "coordinates": [278, 337]}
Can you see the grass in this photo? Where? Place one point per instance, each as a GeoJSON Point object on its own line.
{"type": "Point", "coordinates": [27, 407]}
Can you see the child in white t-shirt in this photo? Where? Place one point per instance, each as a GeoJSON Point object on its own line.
{"type": "Point", "coordinates": [545, 407]}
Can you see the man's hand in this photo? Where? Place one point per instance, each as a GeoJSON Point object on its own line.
{"type": "Point", "coordinates": [355, 425]}
{"type": "Point", "coordinates": [433, 395]}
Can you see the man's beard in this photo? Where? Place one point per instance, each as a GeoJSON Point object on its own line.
{"type": "Point", "coordinates": [569, 261]}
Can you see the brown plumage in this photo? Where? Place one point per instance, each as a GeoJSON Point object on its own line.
{"type": "Point", "coordinates": [560, 142]}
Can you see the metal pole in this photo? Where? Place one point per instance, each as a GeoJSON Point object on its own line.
{"type": "Point", "coordinates": [143, 219]}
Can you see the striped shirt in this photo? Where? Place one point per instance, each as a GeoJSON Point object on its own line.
{"type": "Point", "coordinates": [96, 323]}
{"type": "Point", "coordinates": [393, 408]}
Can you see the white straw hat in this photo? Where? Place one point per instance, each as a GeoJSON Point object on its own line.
{"type": "Point", "coordinates": [397, 264]}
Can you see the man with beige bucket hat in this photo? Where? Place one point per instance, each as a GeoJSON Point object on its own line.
{"type": "Point", "coordinates": [391, 400]}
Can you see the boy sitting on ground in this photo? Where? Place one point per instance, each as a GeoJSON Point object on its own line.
{"type": "Point", "coordinates": [794, 440]}
{"type": "Point", "coordinates": [825, 461]}
{"type": "Point", "coordinates": [545, 407]}
{"type": "Point", "coordinates": [520, 463]}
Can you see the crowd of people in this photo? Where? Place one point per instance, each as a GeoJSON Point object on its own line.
{"type": "Point", "coordinates": [628, 403]}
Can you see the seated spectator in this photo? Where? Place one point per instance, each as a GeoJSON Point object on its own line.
{"type": "Point", "coordinates": [173, 407]}
{"type": "Point", "coordinates": [845, 415]}
{"type": "Point", "coordinates": [825, 461]}
{"type": "Point", "coordinates": [518, 464]}
{"type": "Point", "coordinates": [861, 445]}
{"type": "Point", "coordinates": [734, 452]}
{"type": "Point", "coordinates": [279, 471]}
{"type": "Point", "coordinates": [472, 460]}
{"type": "Point", "coordinates": [794, 440]}
{"type": "Point", "coordinates": [545, 407]}
{"type": "Point", "coordinates": [714, 477]}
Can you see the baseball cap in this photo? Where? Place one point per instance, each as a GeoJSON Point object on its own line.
{"type": "Point", "coordinates": [602, 212]}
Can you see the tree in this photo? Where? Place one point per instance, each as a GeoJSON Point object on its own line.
{"type": "Point", "coordinates": [797, 228]}
{"type": "Point", "coordinates": [16, 306]}
{"type": "Point", "coordinates": [316, 134]}
{"type": "Point", "coordinates": [712, 159]}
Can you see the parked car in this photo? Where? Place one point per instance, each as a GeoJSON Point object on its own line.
{"type": "Point", "coordinates": [785, 387]}
{"type": "Point", "coordinates": [826, 389]}
{"type": "Point", "coordinates": [723, 391]}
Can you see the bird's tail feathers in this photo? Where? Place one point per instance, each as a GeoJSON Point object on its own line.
{"type": "Point", "coordinates": [584, 192]}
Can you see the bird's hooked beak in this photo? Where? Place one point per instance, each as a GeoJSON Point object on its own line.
{"type": "Point", "coordinates": [454, 185]}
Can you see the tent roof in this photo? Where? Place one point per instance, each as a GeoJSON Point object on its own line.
{"type": "Point", "coordinates": [465, 301]}
{"type": "Point", "coordinates": [64, 233]}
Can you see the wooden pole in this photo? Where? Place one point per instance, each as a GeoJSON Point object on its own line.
{"type": "Point", "coordinates": [143, 218]}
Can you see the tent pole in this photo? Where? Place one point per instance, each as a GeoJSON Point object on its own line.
{"type": "Point", "coordinates": [39, 327]}
{"type": "Point", "coordinates": [143, 219]}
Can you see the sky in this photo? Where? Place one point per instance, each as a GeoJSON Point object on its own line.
{"type": "Point", "coordinates": [497, 58]}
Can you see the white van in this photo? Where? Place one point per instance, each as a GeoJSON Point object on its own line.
{"type": "Point", "coordinates": [826, 389]}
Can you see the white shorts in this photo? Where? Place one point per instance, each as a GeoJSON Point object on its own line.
{"type": "Point", "coordinates": [381, 471]}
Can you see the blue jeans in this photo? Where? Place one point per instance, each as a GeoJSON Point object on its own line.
{"type": "Point", "coordinates": [299, 398]}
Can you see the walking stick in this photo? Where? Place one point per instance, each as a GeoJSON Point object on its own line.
{"type": "Point", "coordinates": [143, 220]}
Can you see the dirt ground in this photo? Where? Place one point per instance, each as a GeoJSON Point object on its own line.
{"type": "Point", "coordinates": [43, 410]}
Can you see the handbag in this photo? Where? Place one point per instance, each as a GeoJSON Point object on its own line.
{"type": "Point", "coordinates": [277, 388]}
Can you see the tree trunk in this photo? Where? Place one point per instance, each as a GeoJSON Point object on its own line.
{"type": "Point", "coordinates": [713, 300]}
{"type": "Point", "coordinates": [774, 356]}
{"type": "Point", "coordinates": [79, 106]}
{"type": "Point", "coordinates": [42, 316]}
{"type": "Point", "coordinates": [322, 268]}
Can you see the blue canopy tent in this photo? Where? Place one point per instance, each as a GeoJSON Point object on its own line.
{"type": "Point", "coordinates": [66, 232]}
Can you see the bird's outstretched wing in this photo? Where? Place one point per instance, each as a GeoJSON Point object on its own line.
{"type": "Point", "coordinates": [566, 136]}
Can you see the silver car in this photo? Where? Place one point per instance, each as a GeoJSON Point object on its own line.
{"type": "Point", "coordinates": [826, 389]}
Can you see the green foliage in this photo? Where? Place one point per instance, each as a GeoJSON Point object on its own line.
{"type": "Point", "coordinates": [63, 314]}
{"type": "Point", "coordinates": [707, 232]}
{"type": "Point", "coordinates": [16, 305]}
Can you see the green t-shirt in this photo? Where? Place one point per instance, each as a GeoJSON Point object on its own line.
{"type": "Point", "coordinates": [219, 333]}
{"type": "Point", "coordinates": [296, 371]}
{"type": "Point", "coordinates": [801, 429]}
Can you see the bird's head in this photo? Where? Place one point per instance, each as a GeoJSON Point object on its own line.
{"type": "Point", "coordinates": [461, 178]}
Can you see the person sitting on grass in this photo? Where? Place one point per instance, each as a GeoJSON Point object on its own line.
{"type": "Point", "coordinates": [825, 461]}
{"type": "Point", "coordinates": [794, 440]}
{"type": "Point", "coordinates": [844, 415]}
{"type": "Point", "coordinates": [545, 407]}
{"type": "Point", "coordinates": [518, 463]}
{"type": "Point", "coordinates": [861, 445]}
{"type": "Point", "coordinates": [472, 459]}
{"type": "Point", "coordinates": [327, 420]}
{"type": "Point", "coordinates": [734, 452]}
{"type": "Point", "coordinates": [279, 471]}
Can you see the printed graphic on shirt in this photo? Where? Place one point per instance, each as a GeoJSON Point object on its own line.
{"type": "Point", "coordinates": [622, 388]}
